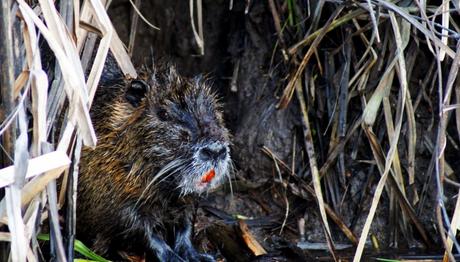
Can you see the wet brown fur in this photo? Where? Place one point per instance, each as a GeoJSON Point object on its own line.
{"type": "Point", "coordinates": [114, 204]}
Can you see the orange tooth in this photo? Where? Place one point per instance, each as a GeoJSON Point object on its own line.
{"type": "Point", "coordinates": [208, 176]}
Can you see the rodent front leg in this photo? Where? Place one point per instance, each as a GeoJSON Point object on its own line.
{"type": "Point", "coordinates": [161, 249]}
{"type": "Point", "coordinates": [184, 248]}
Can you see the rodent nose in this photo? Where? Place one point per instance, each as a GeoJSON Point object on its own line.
{"type": "Point", "coordinates": [213, 152]}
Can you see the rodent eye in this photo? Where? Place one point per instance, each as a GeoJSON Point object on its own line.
{"type": "Point", "coordinates": [163, 115]}
{"type": "Point", "coordinates": [185, 135]}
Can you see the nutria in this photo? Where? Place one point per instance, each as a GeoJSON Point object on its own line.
{"type": "Point", "coordinates": [161, 140]}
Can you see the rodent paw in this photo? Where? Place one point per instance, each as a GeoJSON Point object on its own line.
{"type": "Point", "coordinates": [199, 258]}
{"type": "Point", "coordinates": [192, 255]}
{"type": "Point", "coordinates": [206, 258]}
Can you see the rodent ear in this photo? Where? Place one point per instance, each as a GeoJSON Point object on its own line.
{"type": "Point", "coordinates": [136, 91]}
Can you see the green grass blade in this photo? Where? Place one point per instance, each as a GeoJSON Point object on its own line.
{"type": "Point", "coordinates": [388, 260]}
{"type": "Point", "coordinates": [80, 248]}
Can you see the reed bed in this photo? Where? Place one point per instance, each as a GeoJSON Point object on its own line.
{"type": "Point", "coordinates": [356, 68]}
{"type": "Point", "coordinates": [33, 159]}
{"type": "Point", "coordinates": [368, 88]}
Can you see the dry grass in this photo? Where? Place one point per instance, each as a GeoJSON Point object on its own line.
{"type": "Point", "coordinates": [30, 181]}
{"type": "Point", "coordinates": [374, 36]}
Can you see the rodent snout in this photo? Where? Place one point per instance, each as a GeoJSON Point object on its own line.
{"type": "Point", "coordinates": [215, 151]}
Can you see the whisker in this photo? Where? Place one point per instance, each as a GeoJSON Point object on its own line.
{"type": "Point", "coordinates": [173, 166]}
{"type": "Point", "coordinates": [232, 169]}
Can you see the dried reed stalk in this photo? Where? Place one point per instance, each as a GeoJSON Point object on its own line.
{"type": "Point", "coordinates": [30, 182]}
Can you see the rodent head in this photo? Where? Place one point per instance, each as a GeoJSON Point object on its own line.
{"type": "Point", "coordinates": [178, 126]}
